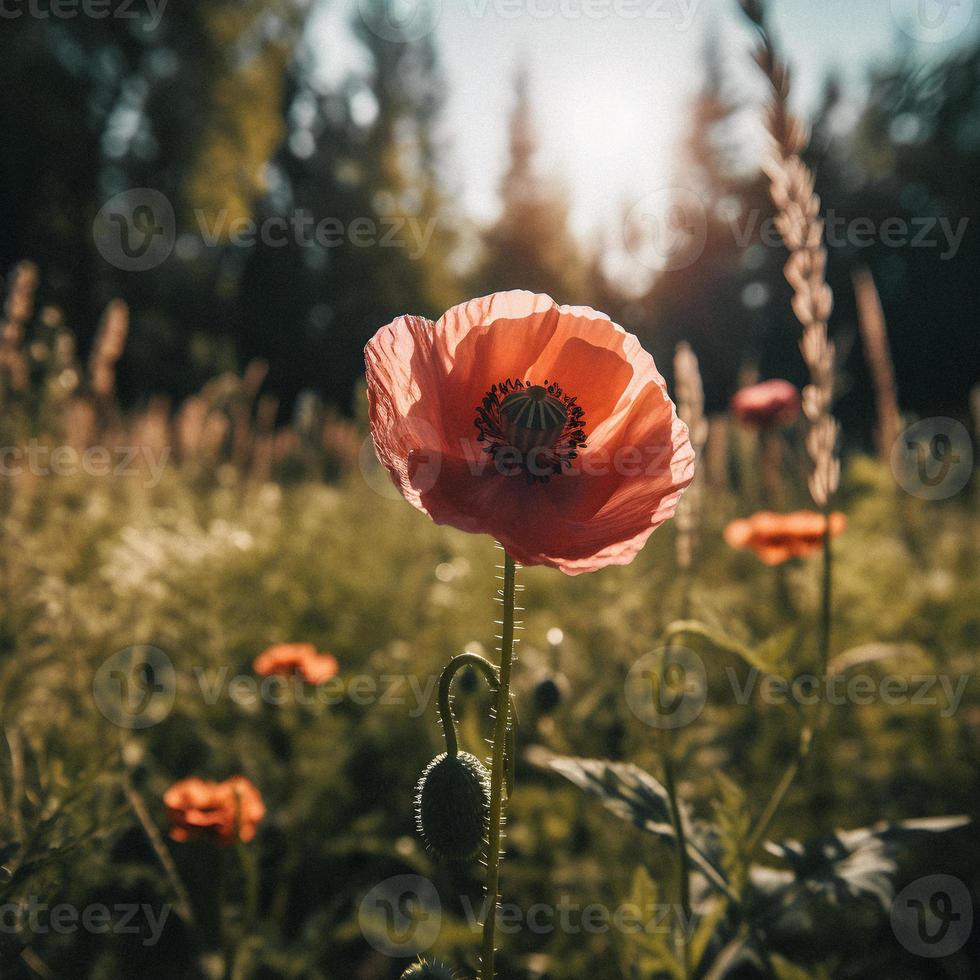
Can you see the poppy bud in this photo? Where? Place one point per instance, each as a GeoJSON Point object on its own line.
{"type": "Point", "coordinates": [469, 681]}
{"type": "Point", "coordinates": [549, 693]}
{"type": "Point", "coordinates": [428, 971]}
{"type": "Point", "coordinates": [453, 806]}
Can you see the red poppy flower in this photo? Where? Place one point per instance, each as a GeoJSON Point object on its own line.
{"type": "Point", "coordinates": [776, 538]}
{"type": "Point", "coordinates": [548, 427]}
{"type": "Point", "coordinates": [302, 659]}
{"type": "Point", "coordinates": [767, 405]}
{"type": "Point", "coordinates": [218, 812]}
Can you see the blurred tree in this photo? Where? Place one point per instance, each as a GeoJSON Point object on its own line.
{"type": "Point", "coordinates": [898, 192]}
{"type": "Point", "coordinates": [908, 171]}
{"type": "Point", "coordinates": [714, 277]}
{"type": "Point", "coordinates": [305, 217]}
{"type": "Point", "coordinates": [361, 167]}
{"type": "Point", "coordinates": [530, 245]}
{"type": "Point", "coordinates": [181, 98]}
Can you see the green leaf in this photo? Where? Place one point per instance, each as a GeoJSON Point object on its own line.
{"type": "Point", "coordinates": [647, 952]}
{"type": "Point", "coordinates": [708, 922]}
{"type": "Point", "coordinates": [636, 797]}
{"type": "Point", "coordinates": [770, 657]}
{"type": "Point", "coordinates": [840, 872]}
{"type": "Point", "coordinates": [871, 653]}
{"type": "Point", "coordinates": [785, 970]}
{"type": "Point", "coordinates": [734, 823]}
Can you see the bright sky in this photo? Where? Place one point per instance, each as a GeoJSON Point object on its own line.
{"type": "Point", "coordinates": [611, 80]}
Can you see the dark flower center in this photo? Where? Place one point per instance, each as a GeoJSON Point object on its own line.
{"type": "Point", "coordinates": [537, 429]}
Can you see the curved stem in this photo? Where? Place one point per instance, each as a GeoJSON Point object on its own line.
{"type": "Point", "coordinates": [500, 739]}
{"type": "Point", "coordinates": [445, 687]}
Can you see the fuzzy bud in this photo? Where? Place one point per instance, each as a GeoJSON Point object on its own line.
{"type": "Point", "coordinates": [428, 971]}
{"type": "Point", "coordinates": [453, 806]}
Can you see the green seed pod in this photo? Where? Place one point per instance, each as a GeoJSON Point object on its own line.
{"type": "Point", "coordinates": [428, 971]}
{"type": "Point", "coordinates": [453, 806]}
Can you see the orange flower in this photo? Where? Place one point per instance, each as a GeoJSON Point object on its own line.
{"type": "Point", "coordinates": [776, 538]}
{"type": "Point", "coordinates": [548, 427]}
{"type": "Point", "coordinates": [218, 812]}
{"type": "Point", "coordinates": [767, 405]}
{"type": "Point", "coordinates": [296, 658]}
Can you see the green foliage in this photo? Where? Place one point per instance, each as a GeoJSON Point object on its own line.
{"type": "Point", "coordinates": [647, 952]}
{"type": "Point", "coordinates": [830, 878]}
{"type": "Point", "coordinates": [212, 569]}
{"type": "Point", "coordinates": [734, 826]}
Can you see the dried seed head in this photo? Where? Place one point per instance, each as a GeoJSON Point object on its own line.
{"type": "Point", "coordinates": [453, 806]}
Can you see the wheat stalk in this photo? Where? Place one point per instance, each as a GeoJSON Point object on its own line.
{"type": "Point", "coordinates": [110, 341]}
{"type": "Point", "coordinates": [18, 310]}
{"type": "Point", "coordinates": [874, 331]}
{"type": "Point", "coordinates": [802, 229]}
{"type": "Point", "coordinates": [690, 409]}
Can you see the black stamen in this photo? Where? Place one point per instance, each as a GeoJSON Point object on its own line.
{"type": "Point", "coordinates": [540, 415]}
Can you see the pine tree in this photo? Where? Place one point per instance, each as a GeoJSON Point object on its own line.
{"type": "Point", "coordinates": [530, 245]}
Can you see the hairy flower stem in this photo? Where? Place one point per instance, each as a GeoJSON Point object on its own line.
{"type": "Point", "coordinates": [475, 661]}
{"type": "Point", "coordinates": [507, 595]}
